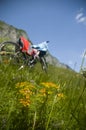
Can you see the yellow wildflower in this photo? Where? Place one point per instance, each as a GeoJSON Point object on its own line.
{"type": "Point", "coordinates": [20, 84]}
{"type": "Point", "coordinates": [25, 102]}
{"type": "Point", "coordinates": [61, 95]}
{"type": "Point", "coordinates": [43, 90]}
{"type": "Point", "coordinates": [27, 97]}
{"type": "Point", "coordinates": [24, 84]}
{"type": "Point", "coordinates": [25, 91]}
{"type": "Point", "coordinates": [50, 84]}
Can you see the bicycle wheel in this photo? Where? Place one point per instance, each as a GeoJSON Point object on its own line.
{"type": "Point", "coordinates": [43, 63]}
{"type": "Point", "coordinates": [9, 52]}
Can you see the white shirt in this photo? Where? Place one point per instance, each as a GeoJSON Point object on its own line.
{"type": "Point", "coordinates": [41, 46]}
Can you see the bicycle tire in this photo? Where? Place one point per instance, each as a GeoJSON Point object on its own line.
{"type": "Point", "coordinates": [43, 64]}
{"type": "Point", "coordinates": [9, 52]}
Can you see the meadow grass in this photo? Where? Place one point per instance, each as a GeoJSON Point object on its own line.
{"type": "Point", "coordinates": [30, 99]}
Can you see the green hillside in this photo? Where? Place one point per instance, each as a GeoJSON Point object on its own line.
{"type": "Point", "coordinates": [30, 99]}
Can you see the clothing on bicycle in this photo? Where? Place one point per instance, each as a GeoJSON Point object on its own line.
{"type": "Point", "coordinates": [24, 45]}
{"type": "Point", "coordinates": [35, 51]}
{"type": "Point", "coordinates": [41, 47]}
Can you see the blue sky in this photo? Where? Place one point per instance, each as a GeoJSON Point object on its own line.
{"type": "Point", "coordinates": [62, 22]}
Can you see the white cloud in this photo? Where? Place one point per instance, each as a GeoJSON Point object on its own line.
{"type": "Point", "coordinates": [80, 17]}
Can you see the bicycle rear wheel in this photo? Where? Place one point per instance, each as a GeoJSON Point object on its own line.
{"type": "Point", "coordinates": [9, 52]}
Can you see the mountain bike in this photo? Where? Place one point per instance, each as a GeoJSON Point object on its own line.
{"type": "Point", "coordinates": [10, 53]}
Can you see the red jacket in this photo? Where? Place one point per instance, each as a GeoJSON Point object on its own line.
{"type": "Point", "coordinates": [26, 45]}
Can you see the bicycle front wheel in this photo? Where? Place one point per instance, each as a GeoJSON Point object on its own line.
{"type": "Point", "coordinates": [43, 63]}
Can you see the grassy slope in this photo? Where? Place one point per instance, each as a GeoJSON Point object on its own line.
{"type": "Point", "coordinates": [61, 108]}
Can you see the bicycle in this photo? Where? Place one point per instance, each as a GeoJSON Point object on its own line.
{"type": "Point", "coordinates": [10, 53]}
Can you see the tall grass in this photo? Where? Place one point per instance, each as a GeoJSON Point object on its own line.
{"type": "Point", "coordinates": [30, 99]}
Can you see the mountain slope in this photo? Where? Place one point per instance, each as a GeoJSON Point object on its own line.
{"type": "Point", "coordinates": [55, 62]}
{"type": "Point", "coordinates": [10, 32]}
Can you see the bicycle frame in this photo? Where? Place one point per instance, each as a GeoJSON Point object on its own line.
{"type": "Point", "coordinates": [19, 55]}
